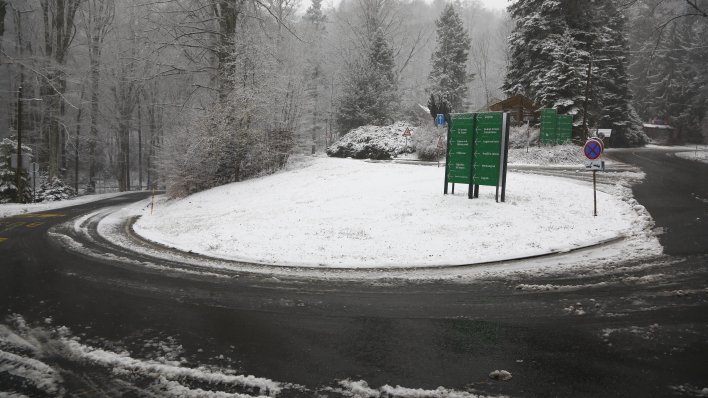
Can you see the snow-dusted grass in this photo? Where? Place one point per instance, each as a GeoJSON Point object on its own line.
{"type": "Point", "coordinates": [566, 154]}
{"type": "Point", "coordinates": [696, 155]}
{"type": "Point", "coordinates": [348, 213]}
{"type": "Point", "coordinates": [11, 209]}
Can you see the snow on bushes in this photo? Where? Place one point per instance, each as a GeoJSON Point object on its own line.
{"type": "Point", "coordinates": [425, 140]}
{"type": "Point", "coordinates": [373, 142]}
{"type": "Point", "coordinates": [547, 155]}
{"type": "Point", "coordinates": [53, 189]}
{"type": "Point", "coordinates": [8, 178]}
{"type": "Point", "coordinates": [521, 136]}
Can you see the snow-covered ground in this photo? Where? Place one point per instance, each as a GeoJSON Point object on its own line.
{"type": "Point", "coordinates": [697, 155]}
{"type": "Point", "coordinates": [11, 209]}
{"type": "Point", "coordinates": [349, 213]}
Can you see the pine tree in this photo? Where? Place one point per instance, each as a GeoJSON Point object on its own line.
{"type": "Point", "coordinates": [370, 87]}
{"type": "Point", "coordinates": [316, 76]}
{"type": "Point", "coordinates": [449, 76]}
{"type": "Point", "coordinates": [552, 46]}
{"type": "Point", "coordinates": [678, 82]}
{"type": "Point", "coordinates": [614, 107]}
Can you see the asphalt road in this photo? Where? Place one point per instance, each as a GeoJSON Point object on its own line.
{"type": "Point", "coordinates": [638, 330]}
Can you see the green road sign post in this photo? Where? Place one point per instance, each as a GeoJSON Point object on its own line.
{"type": "Point", "coordinates": [549, 126]}
{"type": "Point", "coordinates": [564, 130]}
{"type": "Point", "coordinates": [477, 152]}
{"type": "Point", "coordinates": [460, 137]}
{"type": "Point", "coordinates": [555, 128]}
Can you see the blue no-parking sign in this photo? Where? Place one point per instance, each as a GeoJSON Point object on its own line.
{"type": "Point", "coordinates": [439, 119]}
{"type": "Point", "coordinates": [592, 149]}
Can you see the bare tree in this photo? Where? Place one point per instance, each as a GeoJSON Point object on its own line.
{"type": "Point", "coordinates": [59, 31]}
{"type": "Point", "coordinates": [97, 18]}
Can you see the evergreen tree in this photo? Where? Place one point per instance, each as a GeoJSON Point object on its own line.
{"type": "Point", "coordinates": [316, 76]}
{"type": "Point", "coordinates": [551, 48]}
{"type": "Point", "coordinates": [678, 80]}
{"type": "Point", "coordinates": [614, 107]}
{"type": "Point", "coordinates": [370, 87]}
{"type": "Point", "coordinates": [8, 178]}
{"type": "Point", "coordinates": [449, 76]}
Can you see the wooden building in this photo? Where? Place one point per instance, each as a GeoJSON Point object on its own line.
{"type": "Point", "coordinates": [521, 109]}
{"type": "Point", "coordinates": [661, 134]}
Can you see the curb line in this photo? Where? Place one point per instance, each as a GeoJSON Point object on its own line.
{"type": "Point", "coordinates": [130, 232]}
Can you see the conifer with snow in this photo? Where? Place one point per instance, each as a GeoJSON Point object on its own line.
{"type": "Point", "coordinates": [370, 92]}
{"type": "Point", "coordinates": [8, 176]}
{"type": "Point", "coordinates": [449, 77]}
{"type": "Point", "coordinates": [316, 88]}
{"type": "Point", "coordinates": [678, 81]}
{"type": "Point", "coordinates": [551, 48]}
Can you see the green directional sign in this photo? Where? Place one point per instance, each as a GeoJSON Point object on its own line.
{"type": "Point", "coordinates": [487, 148]}
{"type": "Point", "coordinates": [459, 155]}
{"type": "Point", "coordinates": [549, 125]}
{"type": "Point", "coordinates": [477, 151]}
{"type": "Point", "coordinates": [564, 128]}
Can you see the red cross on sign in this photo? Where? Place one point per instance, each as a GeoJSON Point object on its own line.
{"type": "Point", "coordinates": [592, 149]}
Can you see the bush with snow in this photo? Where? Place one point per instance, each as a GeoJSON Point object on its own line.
{"type": "Point", "coordinates": [522, 136]}
{"type": "Point", "coordinates": [546, 155]}
{"type": "Point", "coordinates": [8, 178]}
{"type": "Point", "coordinates": [373, 142]}
{"type": "Point", "coordinates": [425, 141]}
{"type": "Point", "coordinates": [53, 189]}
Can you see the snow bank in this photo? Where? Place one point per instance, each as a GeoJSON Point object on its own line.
{"type": "Point", "coordinates": [343, 213]}
{"type": "Point", "coordinates": [698, 156]}
{"type": "Point", "coordinates": [566, 154]}
{"type": "Point", "coordinates": [11, 209]}
{"type": "Point", "coordinates": [23, 348]}
{"type": "Point", "coordinates": [361, 389]}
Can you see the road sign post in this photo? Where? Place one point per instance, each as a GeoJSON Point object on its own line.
{"type": "Point", "coordinates": [439, 119]}
{"type": "Point", "coordinates": [460, 136]}
{"type": "Point", "coordinates": [593, 150]}
{"type": "Point", "coordinates": [477, 152]}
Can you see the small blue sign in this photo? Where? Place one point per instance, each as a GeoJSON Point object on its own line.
{"type": "Point", "coordinates": [440, 119]}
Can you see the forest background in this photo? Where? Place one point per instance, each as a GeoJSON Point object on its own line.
{"type": "Point", "coordinates": [190, 94]}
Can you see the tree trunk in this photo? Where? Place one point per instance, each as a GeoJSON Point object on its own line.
{"type": "Point", "coordinates": [78, 141]}
{"type": "Point", "coordinates": [95, 55]}
{"type": "Point", "coordinates": [140, 148]}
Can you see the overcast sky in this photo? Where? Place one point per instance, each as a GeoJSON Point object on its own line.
{"type": "Point", "coordinates": [495, 4]}
{"type": "Point", "coordinates": [489, 4]}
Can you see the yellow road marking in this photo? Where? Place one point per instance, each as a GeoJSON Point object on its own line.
{"type": "Point", "coordinates": [13, 225]}
{"type": "Point", "coordinates": [2, 239]}
{"type": "Point", "coordinates": [35, 215]}
{"type": "Point", "coordinates": [35, 224]}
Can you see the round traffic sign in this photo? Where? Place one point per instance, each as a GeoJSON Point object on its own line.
{"type": "Point", "coordinates": [602, 144]}
{"type": "Point", "coordinates": [592, 149]}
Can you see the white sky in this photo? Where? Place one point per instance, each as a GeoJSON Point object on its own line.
{"type": "Point", "coordinates": [489, 4]}
{"type": "Point", "coordinates": [495, 4]}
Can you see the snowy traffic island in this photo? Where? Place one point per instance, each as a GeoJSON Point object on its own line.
{"type": "Point", "coordinates": [345, 213]}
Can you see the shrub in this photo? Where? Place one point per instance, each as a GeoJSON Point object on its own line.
{"type": "Point", "coordinates": [373, 142]}
{"type": "Point", "coordinates": [430, 142]}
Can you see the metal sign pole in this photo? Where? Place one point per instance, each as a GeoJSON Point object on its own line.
{"type": "Point", "coordinates": [34, 182]}
{"type": "Point", "coordinates": [594, 193]}
{"type": "Point", "coordinates": [447, 159]}
{"type": "Point", "coordinates": [505, 154]}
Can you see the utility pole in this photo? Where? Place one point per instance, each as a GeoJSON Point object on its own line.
{"type": "Point", "coordinates": [584, 132]}
{"type": "Point", "coordinates": [18, 175]}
